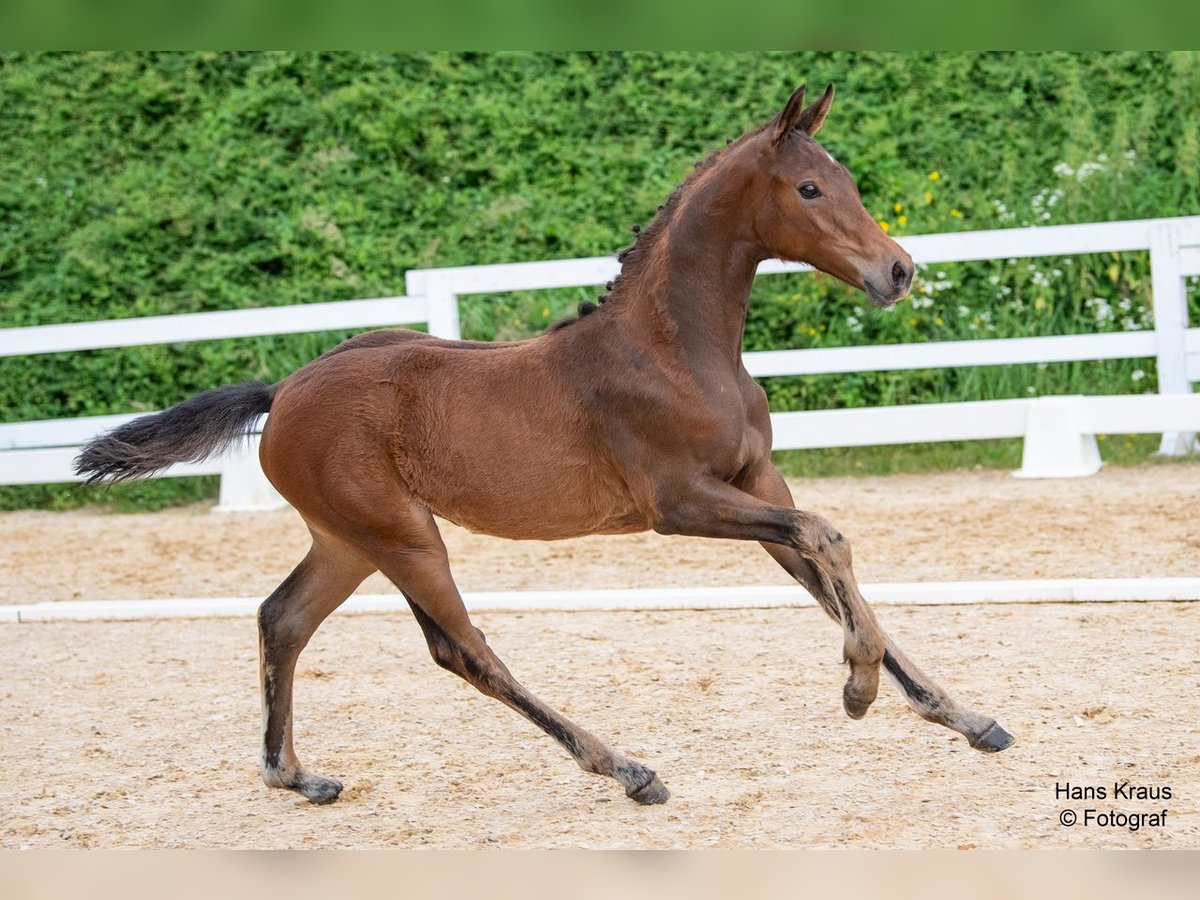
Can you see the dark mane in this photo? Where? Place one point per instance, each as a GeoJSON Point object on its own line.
{"type": "Point", "coordinates": [632, 257]}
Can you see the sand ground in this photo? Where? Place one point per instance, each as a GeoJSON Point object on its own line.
{"type": "Point", "coordinates": [144, 734]}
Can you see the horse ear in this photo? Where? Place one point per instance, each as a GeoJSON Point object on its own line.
{"type": "Point", "coordinates": [811, 119]}
{"type": "Point", "coordinates": [786, 120]}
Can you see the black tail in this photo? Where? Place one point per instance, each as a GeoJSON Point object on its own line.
{"type": "Point", "coordinates": [190, 431]}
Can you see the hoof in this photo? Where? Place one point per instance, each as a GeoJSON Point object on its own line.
{"type": "Point", "coordinates": [319, 790]}
{"type": "Point", "coordinates": [854, 707]}
{"type": "Point", "coordinates": [993, 740]}
{"type": "Point", "coordinates": [654, 791]}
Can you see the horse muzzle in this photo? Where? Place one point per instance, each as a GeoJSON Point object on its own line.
{"type": "Point", "coordinates": [887, 292]}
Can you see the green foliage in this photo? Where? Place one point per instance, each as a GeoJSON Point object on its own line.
{"type": "Point", "coordinates": [136, 184]}
{"type": "Point", "coordinates": [132, 496]}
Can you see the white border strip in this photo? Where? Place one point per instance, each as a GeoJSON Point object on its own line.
{"type": "Point", "coordinates": [945, 593]}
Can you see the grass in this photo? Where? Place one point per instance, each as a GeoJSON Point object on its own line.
{"type": "Point", "coordinates": [134, 496]}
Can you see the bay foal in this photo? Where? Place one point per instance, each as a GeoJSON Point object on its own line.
{"type": "Point", "coordinates": [636, 415]}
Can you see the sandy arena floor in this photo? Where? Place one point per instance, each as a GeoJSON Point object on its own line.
{"type": "Point", "coordinates": [144, 734]}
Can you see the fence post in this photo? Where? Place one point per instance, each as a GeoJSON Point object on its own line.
{"type": "Point", "coordinates": [443, 307]}
{"type": "Point", "coordinates": [244, 487]}
{"type": "Point", "coordinates": [1055, 446]}
{"type": "Point", "coordinates": [1170, 327]}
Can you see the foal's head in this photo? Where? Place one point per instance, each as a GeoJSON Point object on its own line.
{"type": "Point", "coordinates": [811, 212]}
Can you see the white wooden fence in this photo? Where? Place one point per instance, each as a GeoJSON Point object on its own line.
{"type": "Point", "coordinates": [1058, 431]}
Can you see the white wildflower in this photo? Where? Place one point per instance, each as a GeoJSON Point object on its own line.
{"type": "Point", "coordinates": [1101, 311]}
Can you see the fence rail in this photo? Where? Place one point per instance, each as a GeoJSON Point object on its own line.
{"type": "Point", "coordinates": [206, 326]}
{"type": "Point", "coordinates": [1058, 431]}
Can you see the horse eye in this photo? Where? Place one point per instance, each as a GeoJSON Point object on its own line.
{"type": "Point", "coordinates": [809, 191]}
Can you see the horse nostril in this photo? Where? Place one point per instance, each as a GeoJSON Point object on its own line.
{"type": "Point", "coordinates": [899, 275]}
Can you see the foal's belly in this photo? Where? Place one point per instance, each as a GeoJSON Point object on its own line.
{"type": "Point", "coordinates": [543, 523]}
{"type": "Point", "coordinates": [514, 500]}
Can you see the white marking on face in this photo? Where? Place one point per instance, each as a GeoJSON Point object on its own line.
{"type": "Point", "coordinates": [830, 155]}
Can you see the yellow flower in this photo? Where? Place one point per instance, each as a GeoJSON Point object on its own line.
{"type": "Point", "coordinates": [902, 221]}
{"type": "Point", "coordinates": [545, 310]}
{"type": "Point", "coordinates": [912, 321]}
{"type": "Point", "coordinates": [884, 225]}
{"type": "Point", "coordinates": [956, 214]}
{"type": "Point", "coordinates": [928, 198]}
{"type": "Point", "coordinates": [939, 320]}
{"type": "Point", "coordinates": [934, 175]}
{"type": "Point", "coordinates": [1039, 303]}
{"type": "Point", "coordinates": [896, 207]}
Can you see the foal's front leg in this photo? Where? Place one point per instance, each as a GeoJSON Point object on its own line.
{"type": "Point", "coordinates": [818, 556]}
{"type": "Point", "coordinates": [807, 545]}
{"type": "Point", "coordinates": [929, 700]}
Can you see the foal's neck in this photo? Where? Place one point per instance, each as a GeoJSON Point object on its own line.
{"type": "Point", "coordinates": [688, 281]}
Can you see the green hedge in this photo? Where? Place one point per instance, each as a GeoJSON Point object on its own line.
{"type": "Point", "coordinates": [135, 184]}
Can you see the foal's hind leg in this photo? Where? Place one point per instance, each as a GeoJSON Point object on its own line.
{"type": "Point", "coordinates": [825, 571]}
{"type": "Point", "coordinates": [415, 560]}
{"type": "Point", "coordinates": [286, 620]}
